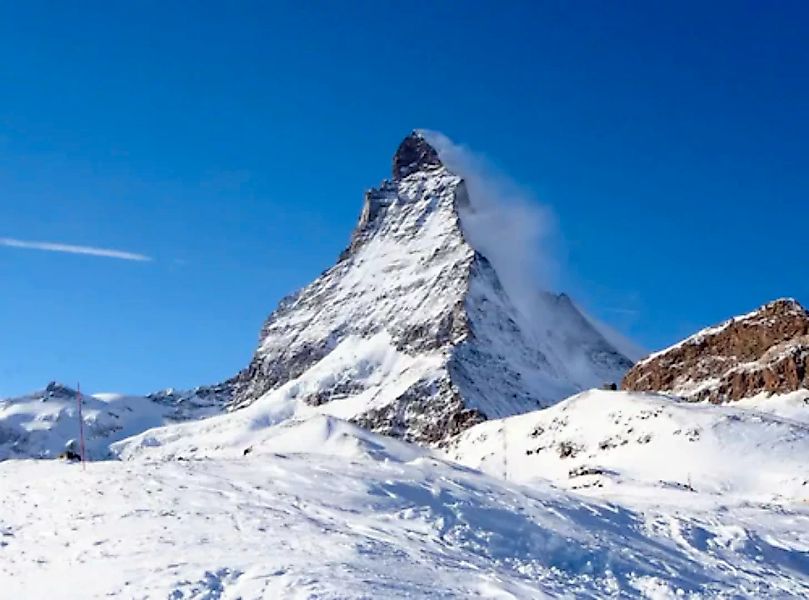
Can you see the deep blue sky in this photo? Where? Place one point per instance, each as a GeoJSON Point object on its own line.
{"type": "Point", "coordinates": [233, 144]}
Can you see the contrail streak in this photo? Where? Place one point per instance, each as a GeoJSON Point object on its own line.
{"type": "Point", "coordinates": [70, 249]}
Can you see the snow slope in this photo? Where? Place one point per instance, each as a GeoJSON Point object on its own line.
{"type": "Point", "coordinates": [324, 510]}
{"type": "Point", "coordinates": [44, 423]}
{"type": "Point", "coordinates": [608, 443]}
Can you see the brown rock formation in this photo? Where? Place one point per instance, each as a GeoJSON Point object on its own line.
{"type": "Point", "coordinates": [764, 351]}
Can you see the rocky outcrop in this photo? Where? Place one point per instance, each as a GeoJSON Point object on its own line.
{"type": "Point", "coordinates": [764, 351]}
{"type": "Point", "coordinates": [414, 154]}
{"type": "Point", "coordinates": [197, 402]}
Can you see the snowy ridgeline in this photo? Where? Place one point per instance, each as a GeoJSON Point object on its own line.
{"type": "Point", "coordinates": [45, 424]}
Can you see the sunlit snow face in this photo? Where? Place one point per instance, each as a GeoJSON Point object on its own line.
{"type": "Point", "coordinates": [503, 222]}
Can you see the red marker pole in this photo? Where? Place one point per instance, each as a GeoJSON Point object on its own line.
{"type": "Point", "coordinates": [81, 424]}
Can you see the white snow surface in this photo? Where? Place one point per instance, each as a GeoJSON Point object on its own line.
{"type": "Point", "coordinates": [603, 443]}
{"type": "Point", "coordinates": [320, 509]}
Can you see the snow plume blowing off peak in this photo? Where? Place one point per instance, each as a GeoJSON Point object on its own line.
{"type": "Point", "coordinates": [504, 222]}
{"type": "Point", "coordinates": [517, 234]}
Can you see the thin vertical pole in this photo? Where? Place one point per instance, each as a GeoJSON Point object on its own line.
{"type": "Point", "coordinates": [81, 424]}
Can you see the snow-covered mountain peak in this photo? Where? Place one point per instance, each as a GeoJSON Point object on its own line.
{"type": "Point", "coordinates": [411, 332]}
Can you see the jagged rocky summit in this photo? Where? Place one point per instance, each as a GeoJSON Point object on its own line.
{"type": "Point", "coordinates": [411, 333]}
{"type": "Point", "coordinates": [765, 351]}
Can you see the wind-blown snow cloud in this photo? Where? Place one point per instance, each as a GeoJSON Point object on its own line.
{"type": "Point", "coordinates": [517, 234]}
{"type": "Point", "coordinates": [70, 249]}
{"type": "Point", "coordinates": [505, 223]}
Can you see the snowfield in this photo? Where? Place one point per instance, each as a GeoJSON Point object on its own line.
{"type": "Point", "coordinates": [319, 508]}
{"type": "Point", "coordinates": [614, 441]}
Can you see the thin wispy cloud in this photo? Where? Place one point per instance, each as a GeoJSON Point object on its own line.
{"type": "Point", "coordinates": [71, 249]}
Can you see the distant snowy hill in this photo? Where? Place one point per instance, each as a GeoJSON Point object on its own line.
{"type": "Point", "coordinates": [41, 424]}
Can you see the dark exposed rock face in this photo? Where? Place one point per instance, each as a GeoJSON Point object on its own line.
{"type": "Point", "coordinates": [191, 403]}
{"type": "Point", "coordinates": [764, 351]}
{"type": "Point", "coordinates": [414, 154]}
{"type": "Point", "coordinates": [426, 413]}
{"type": "Point", "coordinates": [57, 390]}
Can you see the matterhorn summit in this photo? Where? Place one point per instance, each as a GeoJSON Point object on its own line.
{"type": "Point", "coordinates": [411, 332]}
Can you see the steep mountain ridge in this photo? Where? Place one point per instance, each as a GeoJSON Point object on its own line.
{"type": "Point", "coordinates": [765, 351]}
